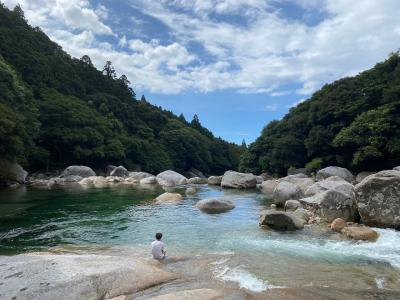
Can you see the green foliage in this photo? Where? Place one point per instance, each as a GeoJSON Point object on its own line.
{"type": "Point", "coordinates": [56, 110]}
{"type": "Point", "coordinates": [352, 122]}
{"type": "Point", "coordinates": [314, 165]}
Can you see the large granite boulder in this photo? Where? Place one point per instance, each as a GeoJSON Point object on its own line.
{"type": "Point", "coordinates": [170, 178]}
{"type": "Point", "coordinates": [233, 179]}
{"type": "Point", "coordinates": [335, 171]}
{"type": "Point", "coordinates": [215, 205]}
{"type": "Point", "coordinates": [85, 276]}
{"type": "Point", "coordinates": [197, 180]}
{"type": "Point", "coordinates": [331, 183]}
{"type": "Point", "coordinates": [301, 180]}
{"type": "Point", "coordinates": [268, 186]}
{"type": "Point", "coordinates": [139, 175]}
{"type": "Point", "coordinates": [378, 199]}
{"type": "Point", "coordinates": [396, 168]}
{"type": "Point", "coordinates": [280, 220]}
{"type": "Point", "coordinates": [360, 176]}
{"type": "Point", "coordinates": [214, 180]}
{"type": "Point", "coordinates": [285, 191]}
{"type": "Point", "coordinates": [120, 171]}
{"type": "Point", "coordinates": [338, 224]}
{"type": "Point", "coordinates": [333, 204]}
{"type": "Point", "coordinates": [81, 171]}
{"type": "Point", "coordinates": [169, 198]}
{"type": "Point", "coordinates": [11, 173]}
{"type": "Point", "coordinates": [197, 294]}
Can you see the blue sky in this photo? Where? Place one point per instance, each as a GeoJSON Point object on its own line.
{"type": "Point", "coordinates": [237, 64]}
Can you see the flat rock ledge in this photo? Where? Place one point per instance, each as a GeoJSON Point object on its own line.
{"type": "Point", "coordinates": [46, 276]}
{"type": "Point", "coordinates": [197, 294]}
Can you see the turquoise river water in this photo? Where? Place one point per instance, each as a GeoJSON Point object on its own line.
{"type": "Point", "coordinates": [248, 256]}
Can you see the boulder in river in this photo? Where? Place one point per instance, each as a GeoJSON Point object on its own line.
{"type": "Point", "coordinates": [215, 205]}
{"type": "Point", "coordinates": [170, 178]}
{"type": "Point", "coordinates": [301, 180]}
{"type": "Point", "coordinates": [268, 186]}
{"type": "Point", "coordinates": [214, 180]}
{"type": "Point", "coordinates": [285, 191]}
{"type": "Point", "coordinates": [291, 205]}
{"type": "Point", "coordinates": [84, 276]}
{"type": "Point", "coordinates": [335, 171]}
{"type": "Point", "coordinates": [197, 180]}
{"type": "Point", "coordinates": [190, 191]}
{"type": "Point", "coordinates": [333, 204]}
{"type": "Point", "coordinates": [362, 233]}
{"type": "Point", "coordinates": [11, 173]}
{"type": "Point", "coordinates": [237, 180]}
{"type": "Point", "coordinates": [148, 180]}
{"type": "Point", "coordinates": [82, 171]}
{"type": "Point", "coordinates": [281, 220]}
{"type": "Point", "coordinates": [120, 171]}
{"type": "Point", "coordinates": [331, 183]}
{"type": "Point", "coordinates": [197, 294]}
{"type": "Point", "coordinates": [378, 199]}
{"type": "Point", "coordinates": [169, 198]}
{"type": "Point", "coordinates": [338, 224]}
{"type": "Point", "coordinates": [96, 181]}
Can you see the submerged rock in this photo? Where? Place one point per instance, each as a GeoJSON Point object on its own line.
{"type": "Point", "coordinates": [197, 294]}
{"type": "Point", "coordinates": [362, 233]}
{"type": "Point", "coordinates": [170, 178]}
{"type": "Point", "coordinates": [338, 224]}
{"type": "Point", "coordinates": [46, 276]}
{"type": "Point", "coordinates": [169, 198]}
{"type": "Point", "coordinates": [237, 180]}
{"type": "Point", "coordinates": [280, 220]}
{"type": "Point", "coordinates": [378, 199]}
{"type": "Point", "coordinates": [81, 171]}
{"type": "Point", "coordinates": [215, 205]}
{"type": "Point", "coordinates": [190, 191]}
{"type": "Point", "coordinates": [120, 171]}
{"type": "Point", "coordinates": [214, 180]}
{"type": "Point", "coordinates": [197, 180]}
{"type": "Point", "coordinates": [285, 191]}
{"type": "Point", "coordinates": [335, 171]}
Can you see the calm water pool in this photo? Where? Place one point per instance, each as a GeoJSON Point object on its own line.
{"type": "Point", "coordinates": [252, 257]}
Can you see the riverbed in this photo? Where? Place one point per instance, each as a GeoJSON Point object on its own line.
{"type": "Point", "coordinates": [228, 249]}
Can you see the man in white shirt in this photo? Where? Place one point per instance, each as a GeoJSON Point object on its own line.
{"type": "Point", "coordinates": [157, 248]}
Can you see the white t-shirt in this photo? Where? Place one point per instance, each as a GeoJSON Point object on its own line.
{"type": "Point", "coordinates": [157, 249]}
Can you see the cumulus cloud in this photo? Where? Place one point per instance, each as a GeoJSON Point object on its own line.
{"type": "Point", "coordinates": [247, 45]}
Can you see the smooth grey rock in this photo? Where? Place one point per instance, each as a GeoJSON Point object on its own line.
{"type": "Point", "coordinates": [335, 171]}
{"type": "Point", "coordinates": [170, 178]}
{"type": "Point", "coordinates": [120, 171]}
{"type": "Point", "coordinates": [280, 220]}
{"type": "Point", "coordinates": [65, 180]}
{"type": "Point", "coordinates": [237, 180]}
{"type": "Point", "coordinates": [139, 175]}
{"type": "Point", "coordinates": [190, 191]}
{"type": "Point", "coordinates": [268, 186]}
{"type": "Point", "coordinates": [301, 180]}
{"type": "Point", "coordinates": [148, 180]}
{"type": "Point", "coordinates": [66, 276]}
{"type": "Point", "coordinates": [197, 180]}
{"type": "Point", "coordinates": [169, 198]}
{"type": "Point", "coordinates": [333, 204]}
{"type": "Point", "coordinates": [301, 214]}
{"type": "Point", "coordinates": [96, 181]}
{"type": "Point", "coordinates": [259, 179]}
{"type": "Point", "coordinates": [285, 191]}
{"type": "Point", "coordinates": [378, 199]}
{"type": "Point", "coordinates": [214, 180]}
{"type": "Point", "coordinates": [360, 176]}
{"type": "Point", "coordinates": [292, 205]}
{"type": "Point", "coordinates": [396, 168]}
{"type": "Point", "coordinates": [215, 205]}
{"type": "Point", "coordinates": [266, 176]}
{"type": "Point", "coordinates": [11, 173]}
{"type": "Point", "coordinates": [82, 171]}
{"type": "Point", "coordinates": [194, 173]}
{"type": "Point", "coordinates": [331, 183]}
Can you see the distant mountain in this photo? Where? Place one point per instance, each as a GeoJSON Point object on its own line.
{"type": "Point", "coordinates": [353, 122]}
{"type": "Point", "coordinates": [56, 110]}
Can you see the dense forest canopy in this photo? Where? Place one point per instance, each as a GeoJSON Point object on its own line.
{"type": "Point", "coordinates": [353, 122]}
{"type": "Point", "coordinates": [56, 110]}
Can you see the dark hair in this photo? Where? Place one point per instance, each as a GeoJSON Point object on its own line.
{"type": "Point", "coordinates": [158, 235]}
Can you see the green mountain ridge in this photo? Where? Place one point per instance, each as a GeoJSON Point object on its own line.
{"type": "Point", "coordinates": [56, 110]}
{"type": "Point", "coordinates": [353, 122]}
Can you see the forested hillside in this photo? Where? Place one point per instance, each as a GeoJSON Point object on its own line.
{"type": "Point", "coordinates": [56, 110]}
{"type": "Point", "coordinates": [353, 122]}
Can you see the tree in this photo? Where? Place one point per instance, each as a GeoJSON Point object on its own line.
{"type": "Point", "coordinates": [109, 71]}
{"type": "Point", "coordinates": [86, 60]}
{"type": "Point", "coordinates": [143, 98]}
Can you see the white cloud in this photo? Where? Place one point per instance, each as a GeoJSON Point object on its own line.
{"type": "Point", "coordinates": [265, 54]}
{"type": "Point", "coordinates": [271, 107]}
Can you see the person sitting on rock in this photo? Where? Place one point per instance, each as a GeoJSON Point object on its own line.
{"type": "Point", "coordinates": [157, 248]}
